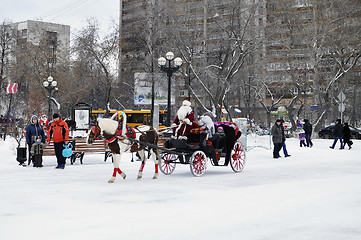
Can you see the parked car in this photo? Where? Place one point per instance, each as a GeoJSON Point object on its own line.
{"type": "Point", "coordinates": [328, 132]}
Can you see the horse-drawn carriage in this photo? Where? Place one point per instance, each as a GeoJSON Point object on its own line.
{"type": "Point", "coordinates": [197, 149]}
{"type": "Point", "coordinates": [194, 150]}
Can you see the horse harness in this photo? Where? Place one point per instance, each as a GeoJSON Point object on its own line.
{"type": "Point", "coordinates": [129, 134]}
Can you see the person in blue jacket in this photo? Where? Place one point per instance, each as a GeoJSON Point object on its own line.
{"type": "Point", "coordinates": [33, 131]}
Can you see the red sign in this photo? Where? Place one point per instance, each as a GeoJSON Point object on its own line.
{"type": "Point", "coordinates": [12, 88]}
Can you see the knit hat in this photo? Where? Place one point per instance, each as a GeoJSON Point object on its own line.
{"type": "Point", "coordinates": [56, 115]}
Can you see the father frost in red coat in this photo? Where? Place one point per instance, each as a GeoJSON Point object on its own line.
{"type": "Point", "coordinates": [183, 123]}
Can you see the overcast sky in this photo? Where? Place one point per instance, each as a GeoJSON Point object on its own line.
{"type": "Point", "coordinates": [69, 12]}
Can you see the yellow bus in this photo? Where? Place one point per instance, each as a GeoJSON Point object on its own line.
{"type": "Point", "coordinates": [134, 117]}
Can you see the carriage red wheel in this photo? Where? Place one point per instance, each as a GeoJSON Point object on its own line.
{"type": "Point", "coordinates": [197, 163]}
{"type": "Point", "coordinates": [167, 163]}
{"type": "Point", "coordinates": [238, 157]}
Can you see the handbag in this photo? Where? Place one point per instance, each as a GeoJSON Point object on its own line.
{"type": "Point", "coordinates": [67, 152]}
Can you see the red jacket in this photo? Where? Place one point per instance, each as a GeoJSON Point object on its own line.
{"type": "Point", "coordinates": [59, 131]}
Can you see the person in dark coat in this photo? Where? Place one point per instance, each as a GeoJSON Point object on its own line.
{"type": "Point", "coordinates": [307, 127]}
{"type": "Point", "coordinates": [33, 131]}
{"type": "Point", "coordinates": [338, 132]}
{"type": "Point", "coordinates": [284, 140]}
{"type": "Point", "coordinates": [347, 136]}
{"type": "Point", "coordinates": [276, 132]}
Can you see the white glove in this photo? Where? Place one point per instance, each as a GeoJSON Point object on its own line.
{"type": "Point", "coordinates": [187, 121]}
{"type": "Point", "coordinates": [173, 125]}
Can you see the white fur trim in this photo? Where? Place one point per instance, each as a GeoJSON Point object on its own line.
{"type": "Point", "coordinates": [182, 138]}
{"type": "Point", "coordinates": [186, 103]}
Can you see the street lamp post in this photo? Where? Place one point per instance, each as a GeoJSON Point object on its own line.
{"type": "Point", "coordinates": [50, 84]}
{"type": "Point", "coordinates": [169, 69]}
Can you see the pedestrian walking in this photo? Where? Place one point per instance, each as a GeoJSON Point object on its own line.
{"type": "Point", "coordinates": [59, 132]}
{"type": "Point", "coordinates": [347, 136]}
{"type": "Point", "coordinates": [284, 140]}
{"type": "Point", "coordinates": [338, 132]}
{"type": "Point", "coordinates": [33, 131]}
{"type": "Point", "coordinates": [302, 138]}
{"type": "Point", "coordinates": [276, 132]}
{"type": "Point", "coordinates": [307, 127]}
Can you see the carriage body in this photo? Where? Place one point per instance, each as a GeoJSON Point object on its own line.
{"type": "Point", "coordinates": [197, 149]}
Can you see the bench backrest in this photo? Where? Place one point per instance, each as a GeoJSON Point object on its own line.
{"type": "Point", "coordinates": [81, 145]}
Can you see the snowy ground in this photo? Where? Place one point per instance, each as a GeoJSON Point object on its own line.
{"type": "Point", "coordinates": [314, 194]}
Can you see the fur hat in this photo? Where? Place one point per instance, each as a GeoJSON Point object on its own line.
{"type": "Point", "coordinates": [186, 103]}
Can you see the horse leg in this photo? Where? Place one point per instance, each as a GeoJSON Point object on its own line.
{"type": "Point", "coordinates": [144, 160]}
{"type": "Point", "coordinates": [116, 162]}
{"type": "Point", "coordinates": [156, 158]}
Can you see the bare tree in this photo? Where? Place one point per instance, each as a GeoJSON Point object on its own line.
{"type": "Point", "coordinates": [336, 50]}
{"type": "Point", "coordinates": [102, 52]}
{"type": "Point", "coordinates": [223, 59]}
{"type": "Point", "coordinates": [7, 40]}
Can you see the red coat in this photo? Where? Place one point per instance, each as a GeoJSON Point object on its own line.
{"type": "Point", "coordinates": [184, 126]}
{"type": "Point", "coordinates": [59, 131]}
{"type": "Point", "coordinates": [44, 124]}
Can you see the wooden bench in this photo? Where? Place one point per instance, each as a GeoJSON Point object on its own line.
{"type": "Point", "coordinates": [80, 147]}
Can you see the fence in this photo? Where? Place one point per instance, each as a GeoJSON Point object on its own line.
{"type": "Point", "coordinates": [257, 139]}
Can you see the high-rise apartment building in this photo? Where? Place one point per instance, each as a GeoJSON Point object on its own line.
{"type": "Point", "coordinates": [56, 35]}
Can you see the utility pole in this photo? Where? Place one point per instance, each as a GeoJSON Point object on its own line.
{"type": "Point", "coordinates": [120, 40]}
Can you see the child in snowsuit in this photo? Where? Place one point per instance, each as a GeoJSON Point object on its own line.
{"type": "Point", "coordinates": [302, 137]}
{"type": "Point", "coordinates": [37, 150]}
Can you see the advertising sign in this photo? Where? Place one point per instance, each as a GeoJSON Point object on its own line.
{"type": "Point", "coordinates": [143, 89]}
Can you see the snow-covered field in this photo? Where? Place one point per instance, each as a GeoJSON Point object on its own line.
{"type": "Point", "coordinates": [314, 194]}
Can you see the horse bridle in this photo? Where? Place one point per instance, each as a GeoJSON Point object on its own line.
{"type": "Point", "coordinates": [96, 130]}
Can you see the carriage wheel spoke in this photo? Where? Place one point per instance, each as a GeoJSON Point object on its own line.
{"type": "Point", "coordinates": [198, 163]}
{"type": "Point", "coordinates": [238, 158]}
{"type": "Point", "coordinates": [167, 164]}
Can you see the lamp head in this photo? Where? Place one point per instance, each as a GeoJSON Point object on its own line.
{"type": "Point", "coordinates": [50, 79]}
{"type": "Point", "coordinates": [162, 61]}
{"type": "Point", "coordinates": [178, 62]}
{"type": "Point", "coordinates": [46, 84]}
{"type": "Point", "coordinates": [169, 56]}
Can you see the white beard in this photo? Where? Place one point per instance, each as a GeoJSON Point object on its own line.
{"type": "Point", "coordinates": [183, 111]}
